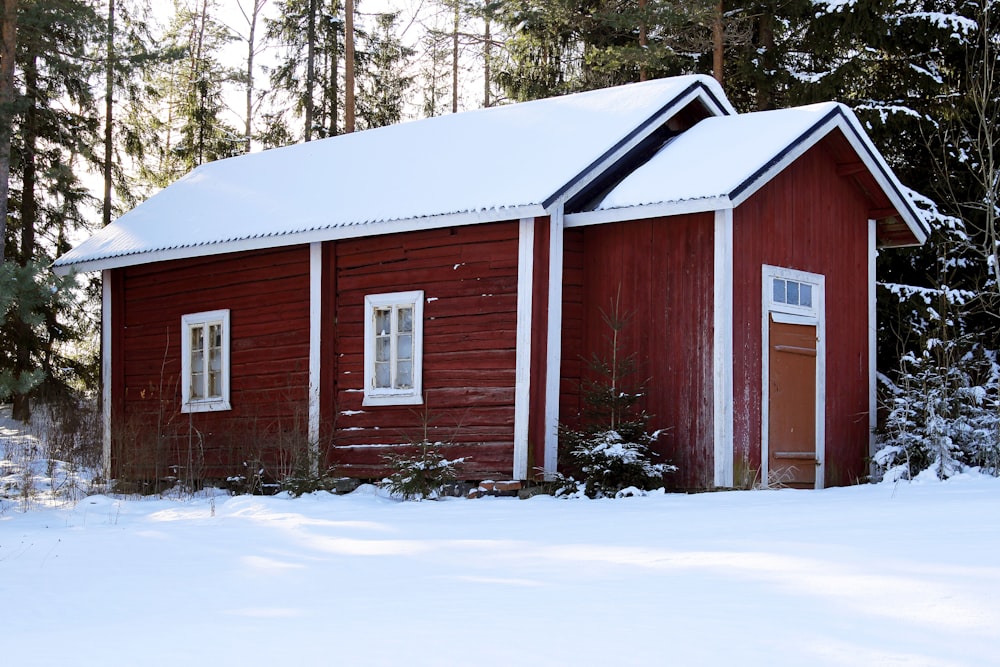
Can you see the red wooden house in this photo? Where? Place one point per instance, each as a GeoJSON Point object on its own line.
{"type": "Point", "coordinates": [443, 278]}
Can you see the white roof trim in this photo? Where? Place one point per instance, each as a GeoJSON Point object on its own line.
{"type": "Point", "coordinates": [298, 238]}
{"type": "Point", "coordinates": [862, 145]}
{"type": "Point", "coordinates": [837, 117]}
{"type": "Point", "coordinates": [646, 211]}
{"type": "Point", "coordinates": [697, 92]}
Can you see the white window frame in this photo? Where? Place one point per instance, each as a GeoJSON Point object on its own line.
{"type": "Point", "coordinates": [209, 404]}
{"type": "Point", "coordinates": [384, 395]}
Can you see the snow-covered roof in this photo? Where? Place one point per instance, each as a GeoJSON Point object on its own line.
{"type": "Point", "coordinates": [721, 161]}
{"type": "Point", "coordinates": [500, 163]}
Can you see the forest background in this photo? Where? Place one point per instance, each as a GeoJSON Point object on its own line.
{"type": "Point", "coordinates": [103, 102]}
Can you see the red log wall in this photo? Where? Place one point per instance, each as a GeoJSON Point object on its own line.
{"type": "Point", "coordinates": [662, 272]}
{"type": "Point", "coordinates": [267, 293]}
{"type": "Point", "coordinates": [469, 278]}
{"type": "Point", "coordinates": [811, 219]}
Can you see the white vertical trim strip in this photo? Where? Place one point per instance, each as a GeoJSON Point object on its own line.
{"type": "Point", "coordinates": [315, 337]}
{"type": "Point", "coordinates": [722, 361]}
{"type": "Point", "coordinates": [522, 353]}
{"type": "Point", "coordinates": [106, 373]}
{"type": "Point", "coordinates": [872, 340]}
{"type": "Point", "coordinates": [553, 344]}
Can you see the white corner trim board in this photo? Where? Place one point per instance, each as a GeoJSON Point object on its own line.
{"type": "Point", "coordinates": [553, 344]}
{"type": "Point", "coordinates": [722, 358]}
{"type": "Point", "coordinates": [522, 372]}
{"type": "Point", "coordinates": [315, 340]}
{"type": "Point", "coordinates": [106, 372]}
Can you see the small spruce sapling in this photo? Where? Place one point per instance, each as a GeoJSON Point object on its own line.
{"type": "Point", "coordinates": [426, 472]}
{"type": "Point", "coordinates": [611, 450]}
{"type": "Point", "coordinates": [942, 413]}
{"type": "Point", "coordinates": [422, 475]}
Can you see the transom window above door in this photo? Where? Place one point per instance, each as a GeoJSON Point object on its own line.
{"type": "Point", "coordinates": [792, 292]}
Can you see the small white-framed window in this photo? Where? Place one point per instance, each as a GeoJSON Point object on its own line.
{"type": "Point", "coordinates": [394, 332]}
{"type": "Point", "coordinates": [793, 292]}
{"type": "Point", "coordinates": [205, 361]}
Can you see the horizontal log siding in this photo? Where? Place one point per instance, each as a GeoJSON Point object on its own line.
{"type": "Point", "coordinates": [469, 279]}
{"type": "Point", "coordinates": [267, 294]}
{"type": "Point", "coordinates": [807, 218]}
{"type": "Point", "coordinates": [572, 363]}
{"type": "Point", "coordinates": [661, 270]}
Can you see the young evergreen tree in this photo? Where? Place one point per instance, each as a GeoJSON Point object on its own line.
{"type": "Point", "coordinates": [559, 46]}
{"type": "Point", "coordinates": [309, 35]}
{"type": "Point", "coordinates": [382, 84]}
{"type": "Point", "coordinates": [54, 131]}
{"type": "Point", "coordinates": [181, 116]}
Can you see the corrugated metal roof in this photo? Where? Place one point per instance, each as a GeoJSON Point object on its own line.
{"type": "Point", "coordinates": [724, 159]}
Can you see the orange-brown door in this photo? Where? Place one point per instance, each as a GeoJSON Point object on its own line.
{"type": "Point", "coordinates": [791, 430]}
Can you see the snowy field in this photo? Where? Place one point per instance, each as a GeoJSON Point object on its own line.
{"type": "Point", "coordinates": [905, 574]}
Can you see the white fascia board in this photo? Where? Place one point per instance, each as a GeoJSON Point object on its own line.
{"type": "Point", "coordinates": [792, 153]}
{"type": "Point", "coordinates": [864, 149]}
{"type": "Point", "coordinates": [883, 175]}
{"type": "Point", "coordinates": [350, 231]}
{"type": "Point", "coordinates": [646, 211]}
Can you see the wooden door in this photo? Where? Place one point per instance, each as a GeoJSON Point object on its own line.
{"type": "Point", "coordinates": [791, 429]}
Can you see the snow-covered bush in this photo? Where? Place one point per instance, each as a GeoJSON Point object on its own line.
{"type": "Point", "coordinates": [422, 475]}
{"type": "Point", "coordinates": [943, 413]}
{"type": "Point", "coordinates": [611, 452]}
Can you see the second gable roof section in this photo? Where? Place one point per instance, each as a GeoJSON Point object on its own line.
{"type": "Point", "coordinates": [721, 162]}
{"type": "Point", "coordinates": [501, 163]}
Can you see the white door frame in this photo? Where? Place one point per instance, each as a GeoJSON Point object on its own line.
{"type": "Point", "coordinates": [814, 315]}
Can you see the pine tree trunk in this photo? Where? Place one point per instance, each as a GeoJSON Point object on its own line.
{"type": "Point", "coordinates": [248, 125]}
{"type": "Point", "coordinates": [487, 55]}
{"type": "Point", "coordinates": [348, 66]}
{"type": "Point", "coordinates": [643, 41]}
{"type": "Point", "coordinates": [334, 76]}
{"type": "Point", "coordinates": [765, 34]}
{"type": "Point", "coordinates": [454, 62]}
{"type": "Point", "coordinates": [718, 42]}
{"type": "Point", "coordinates": [310, 67]}
{"type": "Point", "coordinates": [109, 87]}
{"type": "Point", "coordinates": [8, 37]}
{"type": "Point", "coordinates": [21, 408]}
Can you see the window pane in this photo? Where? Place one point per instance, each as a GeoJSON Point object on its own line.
{"type": "Point", "coordinates": [405, 320]}
{"type": "Point", "coordinates": [805, 295]}
{"type": "Point", "coordinates": [383, 348]}
{"type": "Point", "coordinates": [197, 339]}
{"type": "Point", "coordinates": [382, 374]}
{"type": "Point", "coordinates": [215, 347]}
{"type": "Point", "coordinates": [197, 385]}
{"type": "Point", "coordinates": [197, 362]}
{"type": "Point", "coordinates": [404, 347]}
{"type": "Point", "coordinates": [404, 375]}
{"type": "Point", "coordinates": [779, 291]}
{"type": "Point", "coordinates": [214, 385]}
{"type": "Point", "coordinates": [383, 324]}
{"type": "Point", "coordinates": [793, 293]}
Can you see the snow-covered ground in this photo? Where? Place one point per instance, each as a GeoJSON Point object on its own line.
{"type": "Point", "coordinates": [905, 574]}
